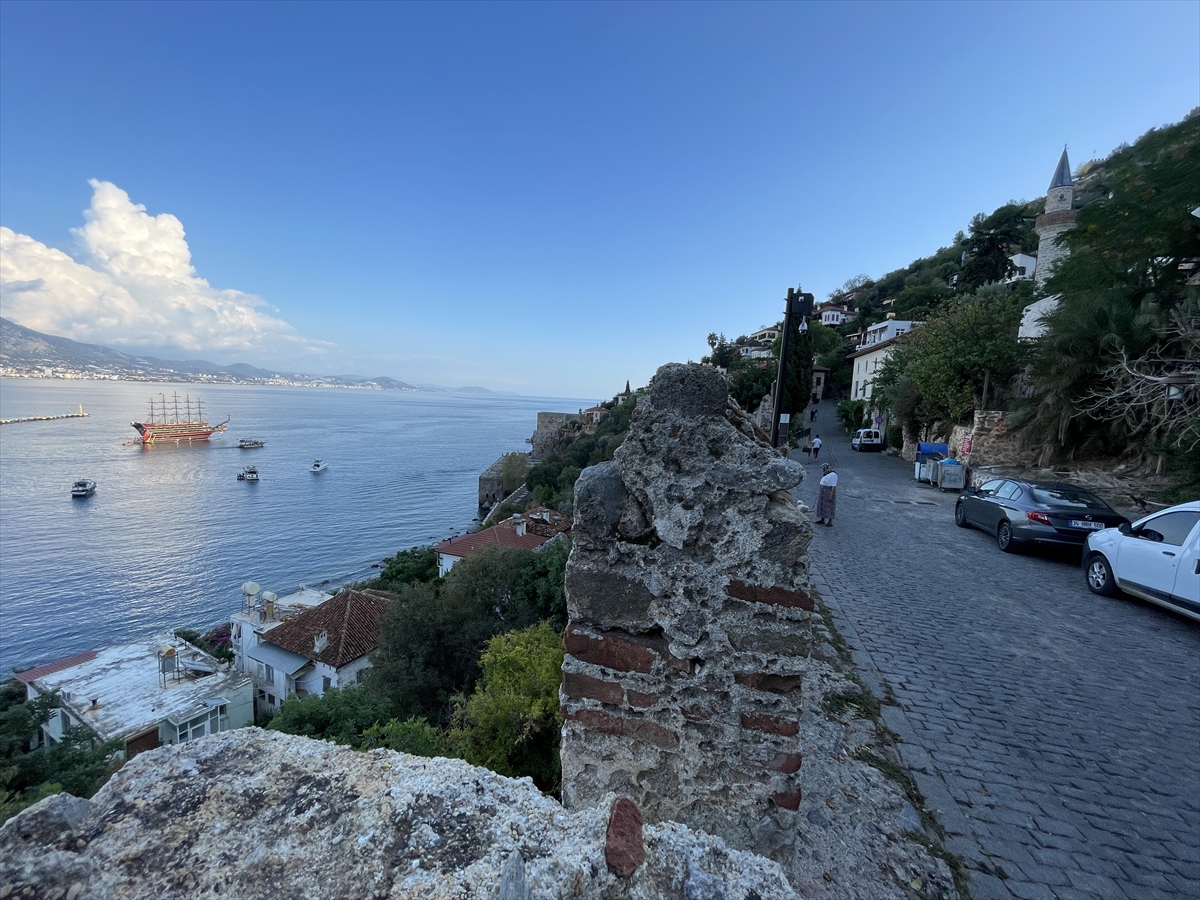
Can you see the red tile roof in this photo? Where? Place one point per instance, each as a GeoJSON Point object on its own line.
{"type": "Point", "coordinates": [350, 620]}
{"type": "Point", "coordinates": [31, 675]}
{"type": "Point", "coordinates": [501, 535]}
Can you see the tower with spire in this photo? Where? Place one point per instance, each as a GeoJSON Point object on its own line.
{"type": "Point", "coordinates": [1058, 219]}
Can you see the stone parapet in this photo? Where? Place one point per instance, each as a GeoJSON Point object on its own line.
{"type": "Point", "coordinates": [689, 628]}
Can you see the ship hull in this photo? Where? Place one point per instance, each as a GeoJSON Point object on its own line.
{"type": "Point", "coordinates": [175, 432]}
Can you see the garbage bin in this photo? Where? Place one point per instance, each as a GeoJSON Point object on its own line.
{"type": "Point", "coordinates": [928, 455]}
{"type": "Point", "coordinates": [951, 475]}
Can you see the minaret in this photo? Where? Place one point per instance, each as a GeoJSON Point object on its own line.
{"type": "Point", "coordinates": [1058, 218]}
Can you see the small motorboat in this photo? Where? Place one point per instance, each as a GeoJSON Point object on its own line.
{"type": "Point", "coordinates": [85, 487]}
{"type": "Point", "coordinates": [318, 466]}
{"type": "Point", "coordinates": [250, 473]}
{"type": "Point", "coordinates": [246, 444]}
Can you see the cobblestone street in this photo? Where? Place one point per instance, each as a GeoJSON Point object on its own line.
{"type": "Point", "coordinates": [1054, 734]}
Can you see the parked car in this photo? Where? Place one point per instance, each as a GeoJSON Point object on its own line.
{"type": "Point", "coordinates": [1034, 512]}
{"type": "Point", "coordinates": [867, 439]}
{"type": "Point", "coordinates": [1156, 558]}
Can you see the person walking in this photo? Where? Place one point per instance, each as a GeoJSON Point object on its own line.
{"type": "Point", "coordinates": [827, 495]}
{"type": "Point", "coordinates": [807, 448]}
{"type": "Point", "coordinates": [816, 447]}
{"type": "Point", "coordinates": [812, 414]}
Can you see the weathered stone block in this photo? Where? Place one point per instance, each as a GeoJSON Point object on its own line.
{"type": "Point", "coordinates": [780, 643]}
{"type": "Point", "coordinates": [599, 501]}
{"type": "Point", "coordinates": [689, 390]}
{"type": "Point", "coordinates": [607, 599]}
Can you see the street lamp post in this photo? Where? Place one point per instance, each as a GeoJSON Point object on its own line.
{"type": "Point", "coordinates": [797, 305]}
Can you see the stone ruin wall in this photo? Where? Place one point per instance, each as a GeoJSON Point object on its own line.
{"type": "Point", "coordinates": [689, 627]}
{"type": "Point", "coordinates": [546, 436]}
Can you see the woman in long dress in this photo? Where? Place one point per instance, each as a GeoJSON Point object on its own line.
{"type": "Point", "coordinates": [827, 495]}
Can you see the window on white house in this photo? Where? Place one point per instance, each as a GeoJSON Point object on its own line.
{"type": "Point", "coordinates": [326, 683]}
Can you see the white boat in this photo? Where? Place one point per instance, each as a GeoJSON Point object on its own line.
{"type": "Point", "coordinates": [318, 467]}
{"type": "Point", "coordinates": [250, 473]}
{"type": "Point", "coordinates": [85, 487]}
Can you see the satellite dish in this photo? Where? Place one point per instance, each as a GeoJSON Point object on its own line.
{"type": "Point", "coordinates": [250, 588]}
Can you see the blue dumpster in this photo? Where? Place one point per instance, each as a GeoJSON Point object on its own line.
{"type": "Point", "coordinates": [928, 456]}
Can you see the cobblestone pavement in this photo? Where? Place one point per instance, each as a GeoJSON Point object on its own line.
{"type": "Point", "coordinates": [1054, 734]}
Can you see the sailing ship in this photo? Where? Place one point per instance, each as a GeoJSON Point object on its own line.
{"type": "Point", "coordinates": [176, 423]}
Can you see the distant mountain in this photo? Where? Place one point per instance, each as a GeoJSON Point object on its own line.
{"type": "Point", "coordinates": [24, 351]}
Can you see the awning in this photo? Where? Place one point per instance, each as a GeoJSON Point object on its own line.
{"type": "Point", "coordinates": [285, 660]}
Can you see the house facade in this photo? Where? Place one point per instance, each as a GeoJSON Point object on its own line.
{"type": "Point", "coordinates": [311, 649]}
{"type": "Point", "coordinates": [832, 314]}
{"type": "Point", "coordinates": [158, 691]}
{"type": "Point", "coordinates": [878, 343]}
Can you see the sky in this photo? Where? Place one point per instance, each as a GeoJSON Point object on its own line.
{"type": "Point", "coordinates": [546, 198]}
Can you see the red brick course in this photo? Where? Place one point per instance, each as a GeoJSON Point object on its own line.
{"type": "Point", "coordinates": [771, 724]}
{"type": "Point", "coordinates": [620, 651]}
{"type": "Point", "coordinates": [638, 729]}
{"type": "Point", "coordinates": [788, 799]}
{"type": "Point", "coordinates": [762, 681]}
{"type": "Point", "coordinates": [623, 846]}
{"type": "Point", "coordinates": [582, 686]}
{"type": "Point", "coordinates": [773, 596]}
{"type": "Point", "coordinates": [787, 763]}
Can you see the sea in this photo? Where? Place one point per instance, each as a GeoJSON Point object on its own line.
{"type": "Point", "coordinates": [171, 535]}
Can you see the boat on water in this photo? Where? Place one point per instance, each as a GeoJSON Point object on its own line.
{"type": "Point", "coordinates": [250, 473]}
{"type": "Point", "coordinates": [85, 487]}
{"type": "Point", "coordinates": [318, 466]}
{"type": "Point", "coordinates": [176, 423]}
{"type": "Point", "coordinates": [245, 444]}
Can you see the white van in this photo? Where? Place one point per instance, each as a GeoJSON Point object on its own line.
{"type": "Point", "coordinates": [867, 439]}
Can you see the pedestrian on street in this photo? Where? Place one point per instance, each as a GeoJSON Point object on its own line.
{"type": "Point", "coordinates": [812, 414]}
{"type": "Point", "coordinates": [827, 495]}
{"type": "Point", "coordinates": [816, 447]}
{"type": "Point", "coordinates": [807, 448]}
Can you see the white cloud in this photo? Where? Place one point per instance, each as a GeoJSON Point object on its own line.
{"type": "Point", "coordinates": [135, 287]}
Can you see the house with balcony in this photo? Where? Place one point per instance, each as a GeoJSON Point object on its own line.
{"type": "Point", "coordinates": [877, 344]}
{"type": "Point", "coordinates": [311, 649]}
{"type": "Point", "coordinates": [161, 690]}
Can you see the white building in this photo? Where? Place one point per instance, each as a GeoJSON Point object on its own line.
{"type": "Point", "coordinates": [767, 334]}
{"type": "Point", "coordinates": [1023, 265]}
{"type": "Point", "coordinates": [832, 314]}
{"type": "Point", "coordinates": [877, 344]}
{"type": "Point", "coordinates": [309, 648]}
{"type": "Point", "coordinates": [158, 691]}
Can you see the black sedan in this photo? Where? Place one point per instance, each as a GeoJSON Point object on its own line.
{"type": "Point", "coordinates": [1034, 512]}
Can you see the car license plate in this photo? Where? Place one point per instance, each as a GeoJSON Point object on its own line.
{"type": "Point", "coordinates": [1095, 526]}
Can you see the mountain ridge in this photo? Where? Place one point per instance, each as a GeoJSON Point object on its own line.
{"type": "Point", "coordinates": [24, 352]}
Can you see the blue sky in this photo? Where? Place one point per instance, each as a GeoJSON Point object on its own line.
{"type": "Point", "coordinates": [544, 198]}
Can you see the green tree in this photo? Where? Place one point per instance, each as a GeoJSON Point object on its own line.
{"type": "Point", "coordinates": [413, 735]}
{"type": "Point", "coordinates": [418, 564]}
{"type": "Point", "coordinates": [993, 239]}
{"type": "Point", "coordinates": [513, 469]}
{"type": "Point", "coordinates": [339, 715]}
{"type": "Point", "coordinates": [1123, 304]}
{"type": "Point", "coordinates": [511, 722]}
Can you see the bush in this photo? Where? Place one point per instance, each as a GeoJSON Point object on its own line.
{"type": "Point", "coordinates": [511, 722]}
{"type": "Point", "coordinates": [413, 735]}
{"type": "Point", "coordinates": [339, 715]}
{"type": "Point", "coordinates": [895, 437]}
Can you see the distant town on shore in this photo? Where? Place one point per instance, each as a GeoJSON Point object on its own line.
{"type": "Point", "coordinates": [25, 353]}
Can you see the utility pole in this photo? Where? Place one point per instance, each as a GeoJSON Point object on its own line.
{"type": "Point", "coordinates": [797, 305]}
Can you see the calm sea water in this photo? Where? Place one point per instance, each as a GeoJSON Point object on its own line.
{"type": "Point", "coordinates": [171, 534]}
